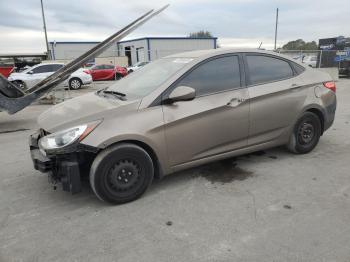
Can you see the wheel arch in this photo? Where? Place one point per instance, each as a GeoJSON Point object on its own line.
{"type": "Point", "coordinates": [158, 169]}
{"type": "Point", "coordinates": [317, 110]}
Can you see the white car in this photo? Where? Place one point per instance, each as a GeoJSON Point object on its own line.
{"type": "Point", "coordinates": [310, 60]}
{"type": "Point", "coordinates": [33, 75]}
{"type": "Point", "coordinates": [136, 66]}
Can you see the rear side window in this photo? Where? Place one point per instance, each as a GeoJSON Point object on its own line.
{"type": "Point", "coordinates": [56, 67]}
{"type": "Point", "coordinates": [263, 69]}
{"type": "Point", "coordinates": [298, 68]}
{"type": "Point", "coordinates": [214, 76]}
{"type": "Point", "coordinates": [108, 66]}
{"type": "Point", "coordinates": [42, 69]}
{"type": "Point", "coordinates": [98, 67]}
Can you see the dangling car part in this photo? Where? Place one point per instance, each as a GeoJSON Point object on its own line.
{"type": "Point", "coordinates": [13, 99]}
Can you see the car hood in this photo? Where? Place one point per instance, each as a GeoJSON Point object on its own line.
{"type": "Point", "coordinates": [83, 109]}
{"type": "Point", "coordinates": [15, 75]}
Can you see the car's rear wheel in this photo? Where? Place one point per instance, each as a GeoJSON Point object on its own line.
{"type": "Point", "coordinates": [75, 83]}
{"type": "Point", "coordinates": [306, 134]}
{"type": "Point", "coordinates": [121, 173]}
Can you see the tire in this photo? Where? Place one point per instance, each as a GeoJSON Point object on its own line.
{"type": "Point", "coordinates": [121, 173]}
{"type": "Point", "coordinates": [130, 71]}
{"type": "Point", "coordinates": [75, 83]}
{"type": "Point", "coordinates": [306, 134]}
{"type": "Point", "coordinates": [118, 76]}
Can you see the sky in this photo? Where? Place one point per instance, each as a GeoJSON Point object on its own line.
{"type": "Point", "coordinates": [237, 23]}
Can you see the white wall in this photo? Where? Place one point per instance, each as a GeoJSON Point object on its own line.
{"type": "Point", "coordinates": [143, 56]}
{"type": "Point", "coordinates": [70, 51]}
{"type": "Point", "coordinates": [163, 47]}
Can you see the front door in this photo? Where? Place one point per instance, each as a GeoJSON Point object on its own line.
{"type": "Point", "coordinates": [216, 121]}
{"type": "Point", "coordinates": [38, 74]}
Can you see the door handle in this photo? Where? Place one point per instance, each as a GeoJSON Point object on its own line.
{"type": "Point", "coordinates": [235, 101]}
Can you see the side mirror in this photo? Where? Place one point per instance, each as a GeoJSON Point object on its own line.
{"type": "Point", "coordinates": [30, 72]}
{"type": "Point", "coordinates": [182, 93]}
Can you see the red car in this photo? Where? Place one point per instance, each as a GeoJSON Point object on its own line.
{"type": "Point", "coordinates": [6, 70]}
{"type": "Point", "coordinates": [107, 72]}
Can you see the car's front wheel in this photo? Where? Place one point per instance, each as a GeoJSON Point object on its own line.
{"type": "Point", "coordinates": [121, 173]}
{"type": "Point", "coordinates": [306, 134]}
{"type": "Point", "coordinates": [75, 83]}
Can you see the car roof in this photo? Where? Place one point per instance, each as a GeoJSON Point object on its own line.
{"type": "Point", "coordinates": [199, 53]}
{"type": "Point", "coordinates": [221, 51]}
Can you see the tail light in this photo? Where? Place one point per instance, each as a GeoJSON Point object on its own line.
{"type": "Point", "coordinates": [87, 72]}
{"type": "Point", "coordinates": [330, 85]}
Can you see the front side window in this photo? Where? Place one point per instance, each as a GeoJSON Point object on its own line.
{"type": "Point", "coordinates": [263, 69]}
{"type": "Point", "coordinates": [217, 75]}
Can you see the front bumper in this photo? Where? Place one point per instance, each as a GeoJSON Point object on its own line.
{"type": "Point", "coordinates": [65, 168]}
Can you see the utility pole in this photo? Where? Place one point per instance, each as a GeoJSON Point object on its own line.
{"type": "Point", "coordinates": [44, 23]}
{"type": "Point", "coordinates": [276, 28]}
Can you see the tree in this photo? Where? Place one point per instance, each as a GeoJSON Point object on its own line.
{"type": "Point", "coordinates": [200, 34]}
{"type": "Point", "coordinates": [300, 44]}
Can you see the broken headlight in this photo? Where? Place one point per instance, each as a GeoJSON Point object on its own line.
{"type": "Point", "coordinates": [66, 137]}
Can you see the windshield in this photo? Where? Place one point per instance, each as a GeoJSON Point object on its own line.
{"type": "Point", "coordinates": [148, 78]}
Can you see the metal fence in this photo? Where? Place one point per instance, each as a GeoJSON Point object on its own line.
{"type": "Point", "coordinates": [319, 58]}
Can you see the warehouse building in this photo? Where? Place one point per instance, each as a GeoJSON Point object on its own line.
{"type": "Point", "coordinates": [151, 48]}
{"type": "Point", "coordinates": [135, 50]}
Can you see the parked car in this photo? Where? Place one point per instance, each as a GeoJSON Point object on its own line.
{"type": "Point", "coordinates": [6, 70]}
{"type": "Point", "coordinates": [107, 72]}
{"type": "Point", "coordinates": [136, 66]}
{"type": "Point", "coordinates": [33, 75]}
{"type": "Point", "coordinates": [310, 60]}
{"type": "Point", "coordinates": [182, 111]}
{"type": "Point", "coordinates": [344, 68]}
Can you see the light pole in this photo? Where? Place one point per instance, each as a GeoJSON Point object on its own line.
{"type": "Point", "coordinates": [44, 23]}
{"type": "Point", "coordinates": [276, 28]}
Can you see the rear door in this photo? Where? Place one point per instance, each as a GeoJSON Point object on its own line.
{"type": "Point", "coordinates": [97, 72]}
{"type": "Point", "coordinates": [216, 121]}
{"type": "Point", "coordinates": [276, 96]}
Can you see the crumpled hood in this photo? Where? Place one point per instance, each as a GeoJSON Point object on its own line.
{"type": "Point", "coordinates": [83, 109]}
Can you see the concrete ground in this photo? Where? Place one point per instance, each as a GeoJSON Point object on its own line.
{"type": "Point", "coordinates": [270, 206]}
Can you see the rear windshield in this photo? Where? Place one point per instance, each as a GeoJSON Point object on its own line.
{"type": "Point", "coordinates": [148, 78]}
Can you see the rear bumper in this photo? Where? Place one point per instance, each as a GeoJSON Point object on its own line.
{"type": "Point", "coordinates": [66, 169]}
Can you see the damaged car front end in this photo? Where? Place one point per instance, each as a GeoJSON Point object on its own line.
{"type": "Point", "coordinates": [62, 156]}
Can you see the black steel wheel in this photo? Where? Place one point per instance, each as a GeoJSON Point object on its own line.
{"type": "Point", "coordinates": [121, 173]}
{"type": "Point", "coordinates": [306, 134]}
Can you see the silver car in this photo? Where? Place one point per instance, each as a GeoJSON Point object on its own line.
{"type": "Point", "coordinates": [182, 111]}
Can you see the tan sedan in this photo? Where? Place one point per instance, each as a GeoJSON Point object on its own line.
{"type": "Point", "coordinates": [182, 111]}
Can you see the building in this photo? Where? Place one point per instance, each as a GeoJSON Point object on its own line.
{"type": "Point", "coordinates": [136, 50]}
{"type": "Point", "coordinates": [72, 50]}
{"type": "Point", "coordinates": [151, 48]}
